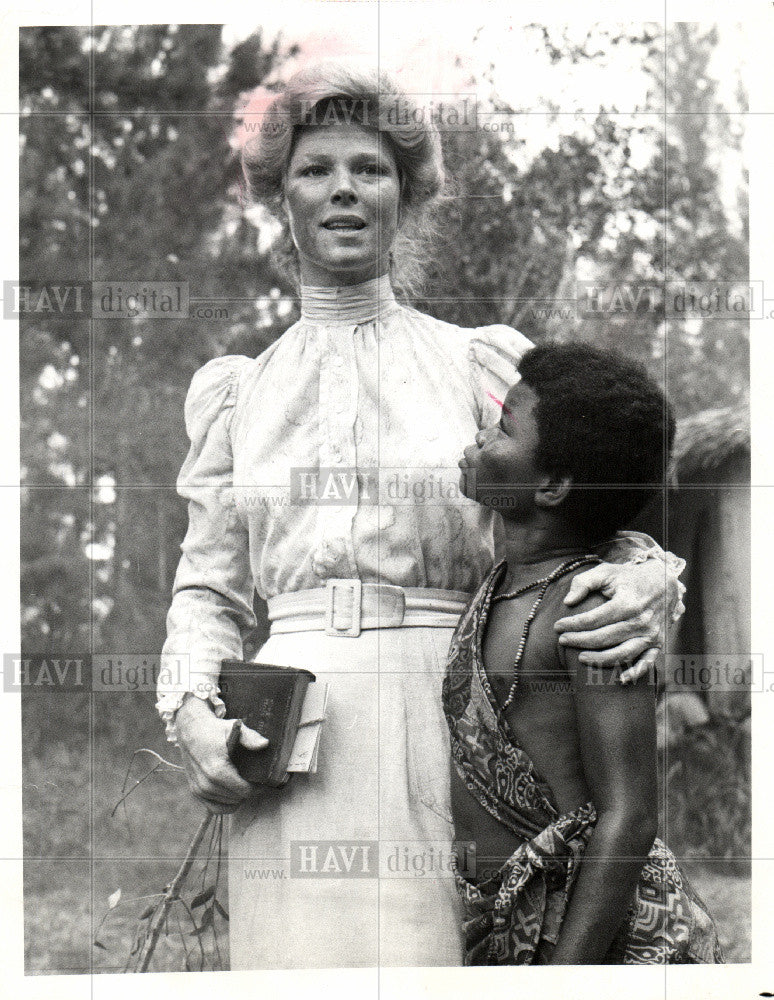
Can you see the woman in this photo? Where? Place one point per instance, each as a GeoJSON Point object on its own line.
{"type": "Point", "coordinates": [365, 591]}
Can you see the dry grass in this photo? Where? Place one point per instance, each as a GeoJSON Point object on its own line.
{"type": "Point", "coordinates": [727, 895]}
{"type": "Point", "coordinates": [706, 796]}
{"type": "Point", "coordinates": [77, 855]}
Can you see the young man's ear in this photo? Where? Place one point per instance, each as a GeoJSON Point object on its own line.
{"type": "Point", "coordinates": [553, 490]}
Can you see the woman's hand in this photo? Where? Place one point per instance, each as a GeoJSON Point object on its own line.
{"type": "Point", "coordinates": [202, 738]}
{"type": "Point", "coordinates": [629, 628]}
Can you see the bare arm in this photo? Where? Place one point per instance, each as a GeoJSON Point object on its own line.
{"type": "Point", "coordinates": [617, 742]}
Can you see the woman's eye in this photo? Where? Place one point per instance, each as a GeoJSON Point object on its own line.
{"type": "Point", "coordinates": [313, 170]}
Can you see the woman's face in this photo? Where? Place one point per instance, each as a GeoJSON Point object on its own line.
{"type": "Point", "coordinates": [342, 194]}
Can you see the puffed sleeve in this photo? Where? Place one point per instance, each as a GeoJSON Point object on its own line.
{"type": "Point", "coordinates": [494, 353]}
{"type": "Point", "coordinates": [212, 595]}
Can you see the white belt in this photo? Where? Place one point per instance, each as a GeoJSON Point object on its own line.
{"type": "Point", "coordinates": [346, 607]}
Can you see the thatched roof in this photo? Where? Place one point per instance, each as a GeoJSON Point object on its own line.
{"type": "Point", "coordinates": [706, 440]}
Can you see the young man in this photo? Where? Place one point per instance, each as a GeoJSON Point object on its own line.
{"type": "Point", "coordinates": [554, 761]}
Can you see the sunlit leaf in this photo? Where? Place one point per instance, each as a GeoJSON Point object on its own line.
{"type": "Point", "coordinates": [114, 899]}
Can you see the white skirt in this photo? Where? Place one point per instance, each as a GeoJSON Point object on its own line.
{"type": "Point", "coordinates": [350, 867]}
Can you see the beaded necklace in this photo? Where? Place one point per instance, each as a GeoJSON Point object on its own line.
{"type": "Point", "coordinates": [543, 583]}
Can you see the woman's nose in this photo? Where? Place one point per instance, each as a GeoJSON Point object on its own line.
{"type": "Point", "coordinates": [343, 189]}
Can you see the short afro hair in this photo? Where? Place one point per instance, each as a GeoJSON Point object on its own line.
{"type": "Point", "coordinates": [603, 421]}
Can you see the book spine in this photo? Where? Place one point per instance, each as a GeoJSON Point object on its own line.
{"type": "Point", "coordinates": [279, 771]}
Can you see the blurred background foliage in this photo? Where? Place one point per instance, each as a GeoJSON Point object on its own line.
{"type": "Point", "coordinates": [129, 172]}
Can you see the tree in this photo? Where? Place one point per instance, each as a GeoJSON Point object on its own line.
{"type": "Point", "coordinates": [133, 180]}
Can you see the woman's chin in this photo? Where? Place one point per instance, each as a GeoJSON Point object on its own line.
{"type": "Point", "coordinates": [488, 496]}
{"type": "Point", "coordinates": [345, 270]}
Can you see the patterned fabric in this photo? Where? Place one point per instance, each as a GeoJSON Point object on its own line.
{"type": "Point", "coordinates": [514, 916]}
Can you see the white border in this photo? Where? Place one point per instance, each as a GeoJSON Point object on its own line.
{"type": "Point", "coordinates": [702, 983]}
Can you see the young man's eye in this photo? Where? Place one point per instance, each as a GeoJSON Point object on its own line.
{"type": "Point", "coordinates": [313, 170]}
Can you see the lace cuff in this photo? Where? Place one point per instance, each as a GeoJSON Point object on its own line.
{"type": "Point", "coordinates": [638, 547]}
{"type": "Point", "coordinates": [168, 704]}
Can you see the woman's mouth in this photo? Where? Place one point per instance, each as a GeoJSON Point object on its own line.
{"type": "Point", "coordinates": [344, 223]}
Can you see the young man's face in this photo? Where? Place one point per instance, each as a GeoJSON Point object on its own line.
{"type": "Point", "coordinates": [499, 470]}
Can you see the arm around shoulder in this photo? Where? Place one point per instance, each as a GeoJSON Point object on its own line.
{"type": "Point", "coordinates": [635, 548]}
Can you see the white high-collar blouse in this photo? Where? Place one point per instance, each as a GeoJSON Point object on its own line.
{"type": "Point", "coordinates": [362, 383]}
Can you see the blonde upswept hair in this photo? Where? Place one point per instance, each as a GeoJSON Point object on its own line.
{"type": "Point", "coordinates": [369, 99]}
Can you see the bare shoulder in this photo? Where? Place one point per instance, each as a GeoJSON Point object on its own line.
{"type": "Point", "coordinates": [559, 590]}
{"type": "Point", "coordinates": [556, 609]}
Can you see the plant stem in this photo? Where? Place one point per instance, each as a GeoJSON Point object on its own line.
{"type": "Point", "coordinates": [172, 893]}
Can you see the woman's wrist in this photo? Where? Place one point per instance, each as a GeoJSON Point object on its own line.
{"type": "Point", "coordinates": [191, 711]}
{"type": "Point", "coordinates": [674, 587]}
{"type": "Point", "coordinates": [170, 705]}
{"type": "Point", "coordinates": [635, 548]}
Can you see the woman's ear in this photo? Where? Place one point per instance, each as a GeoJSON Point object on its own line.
{"type": "Point", "coordinates": [553, 490]}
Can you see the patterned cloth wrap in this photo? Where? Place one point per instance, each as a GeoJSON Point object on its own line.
{"type": "Point", "coordinates": [513, 916]}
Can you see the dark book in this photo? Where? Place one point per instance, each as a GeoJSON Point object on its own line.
{"type": "Point", "coordinates": [268, 699]}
